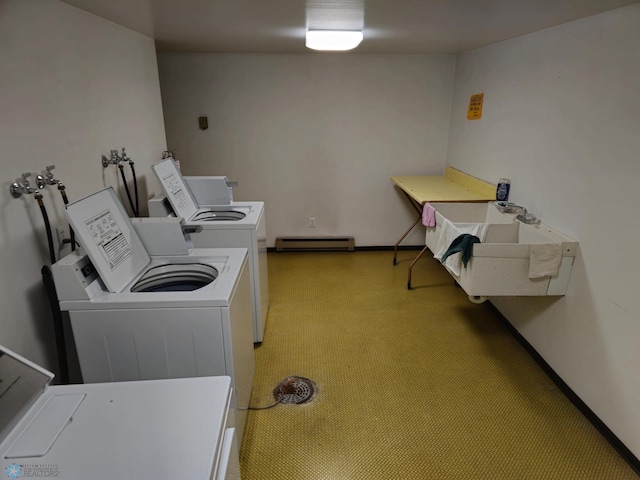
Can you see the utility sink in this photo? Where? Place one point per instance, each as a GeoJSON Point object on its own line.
{"type": "Point", "coordinates": [500, 265]}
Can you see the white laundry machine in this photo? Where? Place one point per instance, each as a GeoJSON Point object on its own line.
{"type": "Point", "coordinates": [160, 429]}
{"type": "Point", "coordinates": [139, 317]}
{"type": "Point", "coordinates": [234, 224]}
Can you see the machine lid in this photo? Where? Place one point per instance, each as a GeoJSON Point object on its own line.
{"type": "Point", "coordinates": [176, 278]}
{"type": "Point", "coordinates": [21, 383]}
{"type": "Point", "coordinates": [103, 228]}
{"type": "Point", "coordinates": [175, 188]}
{"type": "Point", "coordinates": [210, 190]}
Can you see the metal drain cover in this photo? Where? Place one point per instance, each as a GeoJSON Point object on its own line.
{"type": "Point", "coordinates": [295, 390]}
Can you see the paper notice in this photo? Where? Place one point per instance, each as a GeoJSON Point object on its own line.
{"type": "Point", "coordinates": [175, 187]}
{"type": "Point", "coordinates": [475, 107]}
{"type": "Point", "coordinates": [109, 238]}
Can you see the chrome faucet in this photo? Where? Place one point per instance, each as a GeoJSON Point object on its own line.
{"type": "Point", "coordinates": [526, 217]}
{"type": "Point", "coordinates": [18, 187]}
{"type": "Point", "coordinates": [48, 177]}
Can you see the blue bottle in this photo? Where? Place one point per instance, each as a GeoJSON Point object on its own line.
{"type": "Point", "coordinates": [502, 192]}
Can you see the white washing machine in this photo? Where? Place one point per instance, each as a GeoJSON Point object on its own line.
{"type": "Point", "coordinates": [234, 224]}
{"type": "Point", "coordinates": [139, 317]}
{"type": "Point", "coordinates": [160, 429]}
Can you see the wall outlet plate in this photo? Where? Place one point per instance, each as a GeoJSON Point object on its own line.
{"type": "Point", "coordinates": [61, 233]}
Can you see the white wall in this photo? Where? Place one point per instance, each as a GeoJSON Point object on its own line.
{"type": "Point", "coordinates": [561, 118]}
{"type": "Point", "coordinates": [72, 87]}
{"type": "Point", "coordinates": [313, 135]}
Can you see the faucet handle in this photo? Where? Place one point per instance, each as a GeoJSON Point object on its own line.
{"type": "Point", "coordinates": [26, 185]}
{"type": "Point", "coordinates": [124, 156]}
{"type": "Point", "coordinates": [49, 178]}
{"type": "Point", "coordinates": [526, 217]}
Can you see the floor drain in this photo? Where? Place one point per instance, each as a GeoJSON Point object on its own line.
{"type": "Point", "coordinates": [295, 390]}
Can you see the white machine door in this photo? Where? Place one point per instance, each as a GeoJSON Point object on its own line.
{"type": "Point", "coordinates": [103, 228]}
{"type": "Point", "coordinates": [175, 188]}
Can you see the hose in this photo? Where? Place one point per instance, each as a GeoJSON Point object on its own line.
{"type": "Point", "coordinates": [72, 235]}
{"type": "Point", "coordinates": [265, 407]}
{"type": "Point", "coordinates": [47, 279]}
{"type": "Point", "coordinates": [135, 187]}
{"type": "Point", "coordinates": [126, 188]}
{"type": "Point", "coordinates": [47, 226]}
{"type": "Point", "coordinates": [58, 329]}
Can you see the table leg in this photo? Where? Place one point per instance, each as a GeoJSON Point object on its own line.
{"type": "Point", "coordinates": [415, 260]}
{"type": "Point", "coordinates": [418, 208]}
{"type": "Point", "coordinates": [395, 248]}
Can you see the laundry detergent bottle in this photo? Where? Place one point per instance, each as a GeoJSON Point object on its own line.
{"type": "Point", "coordinates": [502, 192]}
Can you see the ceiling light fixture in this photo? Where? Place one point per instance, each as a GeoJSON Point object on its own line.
{"type": "Point", "coordinates": [333, 40]}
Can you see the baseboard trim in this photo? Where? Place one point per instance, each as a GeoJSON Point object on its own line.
{"type": "Point", "coordinates": [605, 431]}
{"type": "Point", "coordinates": [315, 244]}
{"type": "Point", "coordinates": [376, 248]}
{"type": "Point", "coordinates": [385, 248]}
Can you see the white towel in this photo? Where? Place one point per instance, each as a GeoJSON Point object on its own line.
{"type": "Point", "coordinates": [448, 233]}
{"type": "Point", "coordinates": [544, 259]}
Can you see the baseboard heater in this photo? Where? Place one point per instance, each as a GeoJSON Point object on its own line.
{"type": "Point", "coordinates": [315, 244]}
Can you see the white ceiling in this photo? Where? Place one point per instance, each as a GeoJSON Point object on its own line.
{"type": "Point", "coordinates": [390, 26]}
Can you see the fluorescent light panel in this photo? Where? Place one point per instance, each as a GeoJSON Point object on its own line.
{"type": "Point", "coordinates": [333, 40]}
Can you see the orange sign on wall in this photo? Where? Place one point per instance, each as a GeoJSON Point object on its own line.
{"type": "Point", "coordinates": [475, 107]}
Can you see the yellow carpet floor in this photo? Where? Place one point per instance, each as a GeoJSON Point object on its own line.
{"type": "Point", "coordinates": [418, 384]}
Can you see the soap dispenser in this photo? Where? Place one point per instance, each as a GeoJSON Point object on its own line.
{"type": "Point", "coordinates": [502, 192]}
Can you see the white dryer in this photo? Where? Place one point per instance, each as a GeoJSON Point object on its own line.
{"type": "Point", "coordinates": [160, 429]}
{"type": "Point", "coordinates": [139, 317]}
{"type": "Point", "coordinates": [233, 224]}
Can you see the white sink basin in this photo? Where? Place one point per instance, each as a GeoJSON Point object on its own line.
{"type": "Point", "coordinates": [500, 264]}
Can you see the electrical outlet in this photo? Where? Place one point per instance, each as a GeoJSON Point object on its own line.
{"type": "Point", "coordinates": [61, 233]}
{"type": "Point", "coordinates": [312, 222]}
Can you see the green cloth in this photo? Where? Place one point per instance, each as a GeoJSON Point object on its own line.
{"type": "Point", "coordinates": [464, 244]}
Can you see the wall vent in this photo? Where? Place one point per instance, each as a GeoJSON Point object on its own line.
{"type": "Point", "coordinates": [315, 244]}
